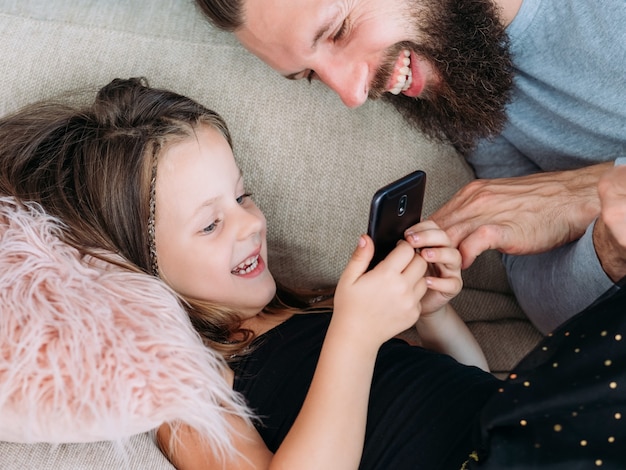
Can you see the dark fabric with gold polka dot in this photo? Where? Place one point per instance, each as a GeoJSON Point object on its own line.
{"type": "Point", "coordinates": [564, 405]}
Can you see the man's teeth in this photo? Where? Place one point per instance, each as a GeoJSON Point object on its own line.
{"type": "Point", "coordinates": [247, 266]}
{"type": "Point", "coordinates": [404, 77]}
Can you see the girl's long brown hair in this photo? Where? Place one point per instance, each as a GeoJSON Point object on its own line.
{"type": "Point", "coordinates": [91, 167]}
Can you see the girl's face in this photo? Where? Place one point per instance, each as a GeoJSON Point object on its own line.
{"type": "Point", "coordinates": [210, 236]}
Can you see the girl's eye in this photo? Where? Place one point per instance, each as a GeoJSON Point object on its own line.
{"type": "Point", "coordinates": [241, 199]}
{"type": "Point", "coordinates": [211, 227]}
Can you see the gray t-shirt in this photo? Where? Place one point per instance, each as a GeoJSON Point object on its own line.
{"type": "Point", "coordinates": [568, 111]}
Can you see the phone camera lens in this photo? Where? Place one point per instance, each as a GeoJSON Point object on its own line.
{"type": "Point", "coordinates": [402, 205]}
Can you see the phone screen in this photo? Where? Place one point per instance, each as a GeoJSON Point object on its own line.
{"type": "Point", "coordinates": [395, 208]}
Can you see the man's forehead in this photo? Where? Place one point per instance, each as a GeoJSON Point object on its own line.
{"type": "Point", "coordinates": [293, 24]}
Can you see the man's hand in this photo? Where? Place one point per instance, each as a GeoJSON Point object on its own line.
{"type": "Point", "coordinates": [522, 215]}
{"type": "Point", "coordinates": [609, 235]}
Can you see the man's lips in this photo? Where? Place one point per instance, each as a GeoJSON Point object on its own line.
{"type": "Point", "coordinates": [402, 76]}
{"type": "Point", "coordinates": [418, 82]}
{"type": "Point", "coordinates": [406, 77]}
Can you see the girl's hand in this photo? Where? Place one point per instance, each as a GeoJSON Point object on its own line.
{"type": "Point", "coordinates": [444, 273]}
{"type": "Point", "coordinates": [440, 328]}
{"type": "Point", "coordinates": [376, 305]}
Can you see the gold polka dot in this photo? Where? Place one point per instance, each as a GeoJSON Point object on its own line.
{"type": "Point", "coordinates": [611, 440]}
{"type": "Point", "coordinates": [598, 463]}
{"type": "Point", "coordinates": [618, 337]}
{"type": "Point", "coordinates": [558, 428]}
{"type": "Point", "coordinates": [555, 365]}
{"type": "Point", "coordinates": [567, 333]}
{"type": "Point", "coordinates": [574, 413]}
{"type": "Point", "coordinates": [604, 333]}
{"type": "Point", "coordinates": [608, 362]}
{"type": "Point", "coordinates": [577, 350]}
{"type": "Point", "coordinates": [501, 390]}
{"type": "Point", "coordinates": [537, 445]}
{"type": "Point", "coordinates": [527, 384]}
{"type": "Point", "coordinates": [545, 348]}
{"type": "Point", "coordinates": [583, 443]}
{"type": "Point", "coordinates": [618, 415]}
{"type": "Point", "coordinates": [523, 422]}
{"type": "Point", "coordinates": [613, 385]}
{"type": "Point", "coordinates": [513, 376]}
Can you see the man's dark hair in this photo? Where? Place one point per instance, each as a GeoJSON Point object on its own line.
{"type": "Point", "coordinates": [225, 14]}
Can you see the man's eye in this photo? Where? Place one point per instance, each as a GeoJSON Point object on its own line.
{"type": "Point", "coordinates": [241, 199]}
{"type": "Point", "coordinates": [342, 31]}
{"type": "Point", "coordinates": [211, 227]}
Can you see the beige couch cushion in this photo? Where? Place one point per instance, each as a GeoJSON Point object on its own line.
{"type": "Point", "coordinates": [139, 452]}
{"type": "Point", "coordinates": [311, 163]}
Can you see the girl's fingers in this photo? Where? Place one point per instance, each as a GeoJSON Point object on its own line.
{"type": "Point", "coordinates": [423, 225]}
{"type": "Point", "coordinates": [449, 258]}
{"type": "Point", "coordinates": [416, 269]}
{"type": "Point", "coordinates": [449, 286]}
{"type": "Point", "coordinates": [427, 236]}
{"type": "Point", "coordinates": [399, 258]}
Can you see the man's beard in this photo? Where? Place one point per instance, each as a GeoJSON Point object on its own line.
{"type": "Point", "coordinates": [467, 45]}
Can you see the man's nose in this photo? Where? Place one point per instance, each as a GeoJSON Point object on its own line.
{"type": "Point", "coordinates": [349, 81]}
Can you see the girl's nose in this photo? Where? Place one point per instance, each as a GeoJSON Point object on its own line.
{"type": "Point", "coordinates": [251, 223]}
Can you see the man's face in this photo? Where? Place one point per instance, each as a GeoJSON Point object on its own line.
{"type": "Point", "coordinates": [444, 64]}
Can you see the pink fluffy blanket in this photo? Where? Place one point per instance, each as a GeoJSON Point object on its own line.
{"type": "Point", "coordinates": [91, 352]}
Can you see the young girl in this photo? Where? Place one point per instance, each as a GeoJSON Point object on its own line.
{"type": "Point", "coordinates": [150, 175]}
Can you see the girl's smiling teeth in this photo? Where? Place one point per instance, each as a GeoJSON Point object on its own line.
{"type": "Point", "coordinates": [246, 266]}
{"type": "Point", "coordinates": [402, 77]}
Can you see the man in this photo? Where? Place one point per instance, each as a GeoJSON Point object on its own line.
{"type": "Point", "coordinates": [531, 92]}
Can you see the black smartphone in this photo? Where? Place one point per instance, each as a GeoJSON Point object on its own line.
{"type": "Point", "coordinates": [395, 208]}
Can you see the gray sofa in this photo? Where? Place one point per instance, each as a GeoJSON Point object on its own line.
{"type": "Point", "coordinates": [311, 163]}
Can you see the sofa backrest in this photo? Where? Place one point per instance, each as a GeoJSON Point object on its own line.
{"type": "Point", "coordinates": [311, 164]}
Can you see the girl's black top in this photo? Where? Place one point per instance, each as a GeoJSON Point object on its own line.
{"type": "Point", "coordinates": [423, 409]}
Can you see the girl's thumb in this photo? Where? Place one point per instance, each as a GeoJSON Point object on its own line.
{"type": "Point", "coordinates": [360, 259]}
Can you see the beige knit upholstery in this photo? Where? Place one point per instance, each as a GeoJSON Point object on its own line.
{"type": "Point", "coordinates": [311, 164]}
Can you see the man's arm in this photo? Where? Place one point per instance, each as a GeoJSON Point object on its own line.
{"type": "Point", "coordinates": [609, 235]}
{"type": "Point", "coordinates": [552, 287]}
{"type": "Point", "coordinates": [522, 215]}
{"type": "Point", "coordinates": [544, 222]}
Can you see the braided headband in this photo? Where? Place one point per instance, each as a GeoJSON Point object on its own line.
{"type": "Point", "coordinates": [154, 264]}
